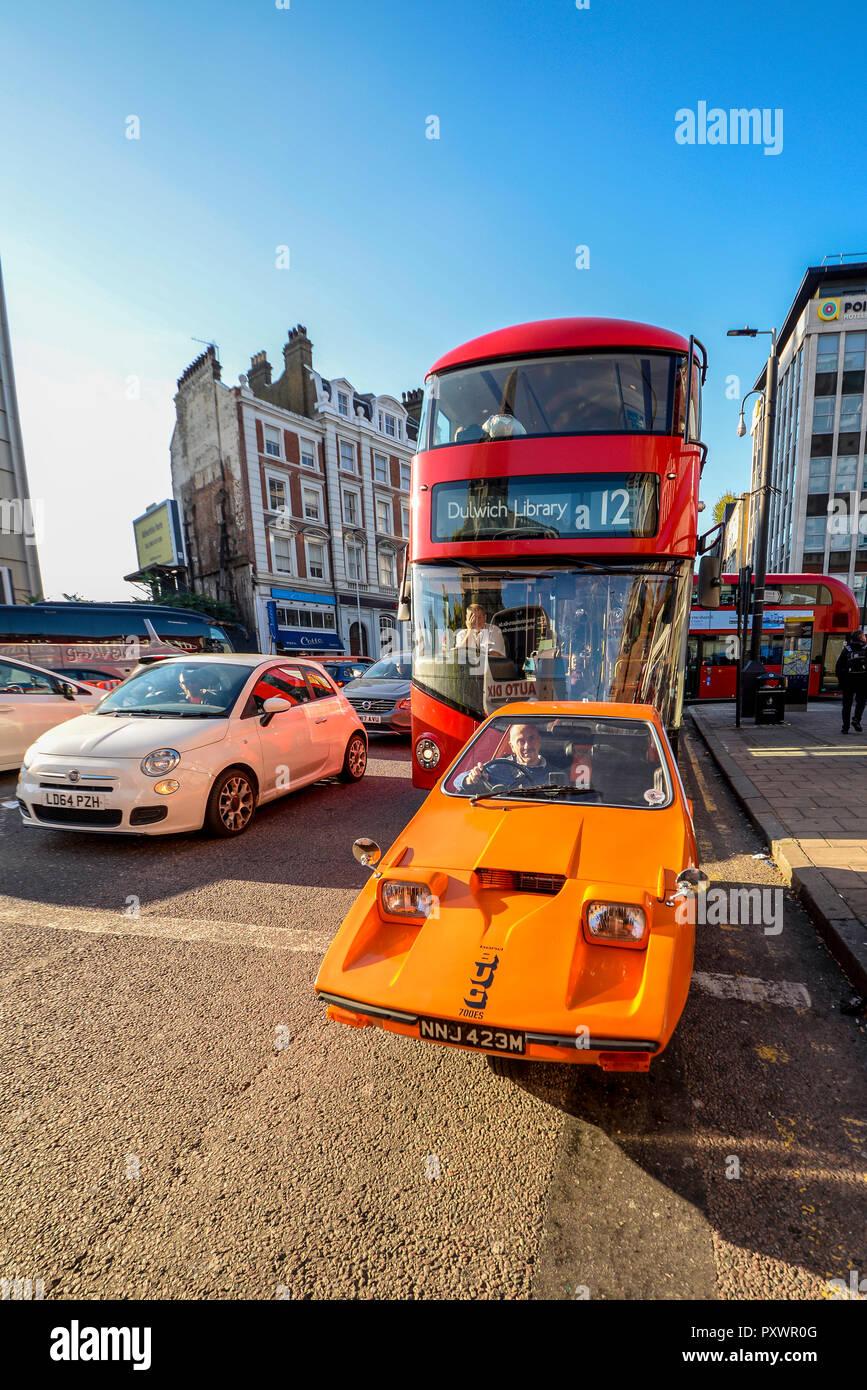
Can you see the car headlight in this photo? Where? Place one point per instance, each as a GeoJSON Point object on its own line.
{"type": "Point", "coordinates": [160, 761]}
{"type": "Point", "coordinates": [28, 757]}
{"type": "Point", "coordinates": [400, 899]}
{"type": "Point", "coordinates": [618, 922]}
{"type": "Point", "coordinates": [428, 753]}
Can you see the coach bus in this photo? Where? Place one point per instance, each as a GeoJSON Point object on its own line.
{"type": "Point", "coordinates": [101, 642]}
{"type": "Point", "coordinates": [814, 612]}
{"type": "Point", "coordinates": [554, 517]}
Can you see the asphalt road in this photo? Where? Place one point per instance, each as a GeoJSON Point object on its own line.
{"type": "Point", "coordinates": [178, 1119]}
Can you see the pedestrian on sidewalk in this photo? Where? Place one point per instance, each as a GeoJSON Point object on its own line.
{"type": "Point", "coordinates": [851, 672]}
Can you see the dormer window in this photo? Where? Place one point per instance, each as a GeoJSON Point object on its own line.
{"type": "Point", "coordinates": [388, 424]}
{"type": "Point", "coordinates": [343, 403]}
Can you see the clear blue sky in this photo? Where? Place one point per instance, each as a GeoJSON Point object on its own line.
{"type": "Point", "coordinates": [305, 127]}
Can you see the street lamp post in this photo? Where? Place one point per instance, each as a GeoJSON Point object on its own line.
{"type": "Point", "coordinates": [755, 670]}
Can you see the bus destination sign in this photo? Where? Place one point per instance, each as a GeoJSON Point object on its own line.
{"type": "Point", "coordinates": [561, 506]}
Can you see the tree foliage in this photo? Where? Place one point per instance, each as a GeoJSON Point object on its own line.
{"type": "Point", "coordinates": [720, 505]}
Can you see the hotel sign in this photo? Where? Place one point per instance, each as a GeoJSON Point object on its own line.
{"type": "Point", "coordinates": [852, 307]}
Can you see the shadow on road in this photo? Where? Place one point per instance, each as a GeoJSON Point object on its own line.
{"type": "Point", "coordinates": [303, 839]}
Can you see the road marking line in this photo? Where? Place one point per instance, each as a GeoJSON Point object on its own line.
{"type": "Point", "coordinates": [100, 921]}
{"type": "Point", "coordinates": [753, 991]}
{"type": "Point", "coordinates": [699, 776]}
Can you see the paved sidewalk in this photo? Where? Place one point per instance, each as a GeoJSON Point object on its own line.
{"type": "Point", "coordinates": [804, 785]}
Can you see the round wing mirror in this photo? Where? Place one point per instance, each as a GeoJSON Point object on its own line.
{"type": "Point", "coordinates": [693, 881]}
{"type": "Point", "coordinates": [367, 852]}
{"type": "Point", "coordinates": [275, 704]}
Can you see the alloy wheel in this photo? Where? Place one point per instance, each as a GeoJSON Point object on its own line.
{"type": "Point", "coordinates": [236, 803]}
{"type": "Point", "coordinates": [357, 757]}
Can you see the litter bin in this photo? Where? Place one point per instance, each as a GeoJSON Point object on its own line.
{"type": "Point", "coordinates": [771, 701]}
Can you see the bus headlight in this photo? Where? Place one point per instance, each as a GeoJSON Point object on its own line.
{"type": "Point", "coordinates": [428, 753]}
{"type": "Point", "coordinates": [160, 761]}
{"type": "Point", "coordinates": [620, 923]}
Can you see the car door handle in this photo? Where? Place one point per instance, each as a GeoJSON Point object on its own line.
{"type": "Point", "coordinates": [323, 720]}
{"type": "Point", "coordinates": [6, 709]}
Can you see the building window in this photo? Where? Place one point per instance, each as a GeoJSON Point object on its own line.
{"type": "Point", "coordinates": [820, 475]}
{"type": "Point", "coordinates": [355, 562]}
{"type": "Point", "coordinates": [351, 508]}
{"type": "Point", "coordinates": [316, 567]}
{"type": "Point", "coordinates": [850, 413]}
{"type": "Point", "coordinates": [404, 477]}
{"type": "Point", "coordinates": [281, 548]}
{"type": "Point", "coordinates": [854, 346]}
{"type": "Point", "coordinates": [823, 415]}
{"type": "Point", "coordinates": [383, 516]}
{"type": "Point", "coordinates": [841, 540]}
{"type": "Point", "coordinates": [404, 520]}
{"type": "Point", "coordinates": [347, 457]}
{"type": "Point", "coordinates": [272, 441]}
{"type": "Point", "coordinates": [380, 468]}
{"type": "Point", "coordinates": [387, 635]}
{"type": "Point", "coordinates": [277, 494]}
{"type": "Point", "coordinates": [814, 532]}
{"type": "Point", "coordinates": [312, 504]}
{"type": "Point", "coordinates": [387, 570]}
{"type": "Point", "coordinates": [826, 352]}
{"type": "Point", "coordinates": [343, 403]}
{"type": "Point", "coordinates": [388, 425]}
{"type": "Point", "coordinates": [847, 473]}
{"type": "Point", "coordinates": [308, 454]}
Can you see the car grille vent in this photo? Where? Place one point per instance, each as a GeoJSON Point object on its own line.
{"type": "Point", "coordinates": [73, 815]}
{"type": "Point", "coordinates": [371, 706]}
{"type": "Point", "coordinates": [520, 881]}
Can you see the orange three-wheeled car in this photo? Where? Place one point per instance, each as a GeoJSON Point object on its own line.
{"type": "Point", "coordinates": [537, 907]}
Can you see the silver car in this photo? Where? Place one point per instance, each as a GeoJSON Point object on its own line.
{"type": "Point", "coordinates": [380, 697]}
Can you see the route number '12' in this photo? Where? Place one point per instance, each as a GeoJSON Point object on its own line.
{"type": "Point", "coordinates": [621, 519]}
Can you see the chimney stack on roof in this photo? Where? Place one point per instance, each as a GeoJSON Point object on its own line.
{"type": "Point", "coordinates": [259, 374]}
{"type": "Point", "coordinates": [300, 389]}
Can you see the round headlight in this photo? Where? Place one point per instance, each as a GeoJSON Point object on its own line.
{"type": "Point", "coordinates": [160, 761]}
{"type": "Point", "coordinates": [428, 754]}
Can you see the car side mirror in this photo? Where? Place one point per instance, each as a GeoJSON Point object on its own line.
{"type": "Point", "coordinates": [275, 704]}
{"type": "Point", "coordinates": [692, 881]}
{"type": "Point", "coordinates": [66, 690]}
{"type": "Point", "coordinates": [367, 852]}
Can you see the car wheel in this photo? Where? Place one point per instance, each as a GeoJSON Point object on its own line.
{"type": "Point", "coordinates": [507, 1067]}
{"type": "Point", "coordinates": [231, 804]}
{"type": "Point", "coordinates": [354, 760]}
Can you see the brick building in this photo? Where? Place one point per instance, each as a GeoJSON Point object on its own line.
{"type": "Point", "coordinates": [294, 498]}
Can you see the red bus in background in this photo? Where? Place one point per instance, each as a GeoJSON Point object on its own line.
{"type": "Point", "coordinates": [554, 515]}
{"type": "Point", "coordinates": [813, 606]}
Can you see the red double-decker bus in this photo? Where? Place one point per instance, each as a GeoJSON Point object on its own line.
{"type": "Point", "coordinates": [554, 512]}
{"type": "Point", "coordinates": [806, 621]}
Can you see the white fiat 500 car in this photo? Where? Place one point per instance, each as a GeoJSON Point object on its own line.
{"type": "Point", "coordinates": [193, 742]}
{"type": "Point", "coordinates": [33, 700]}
